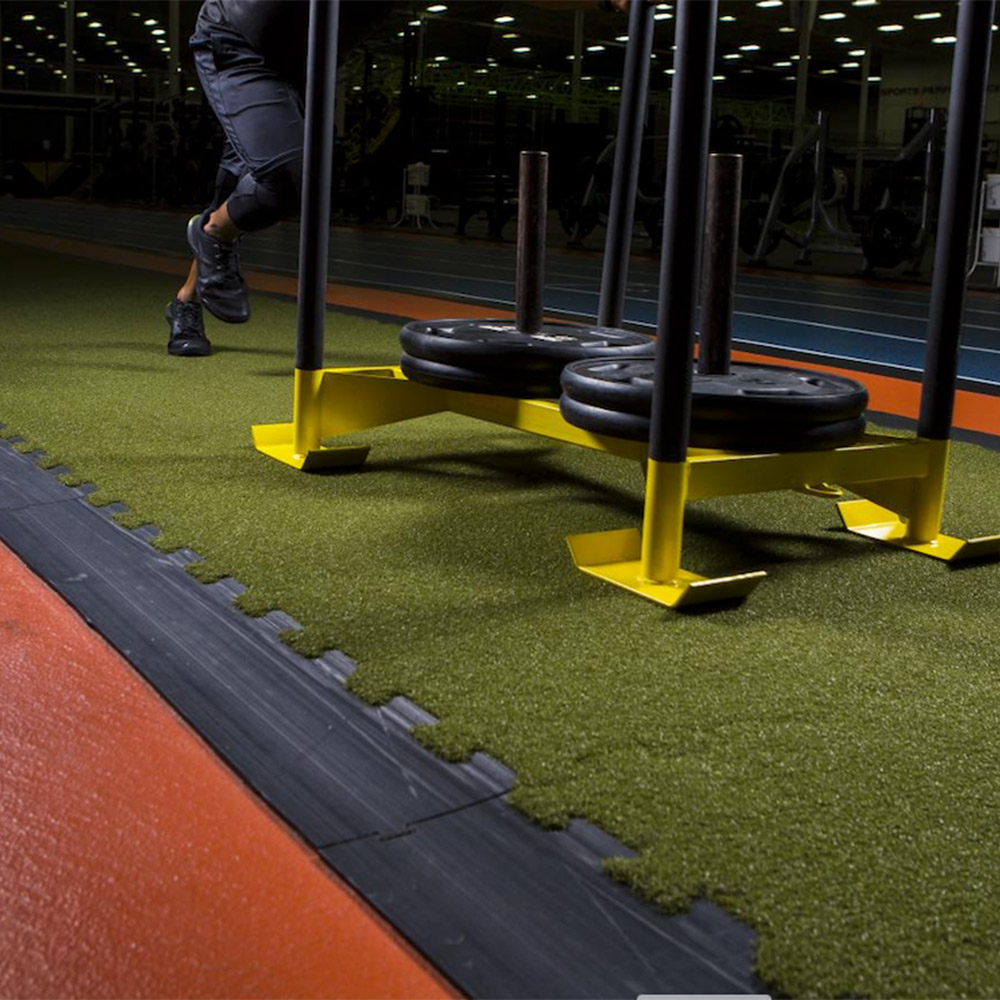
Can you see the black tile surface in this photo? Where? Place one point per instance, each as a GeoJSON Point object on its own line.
{"type": "Point", "coordinates": [512, 910]}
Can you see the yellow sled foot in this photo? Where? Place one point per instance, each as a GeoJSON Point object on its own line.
{"type": "Point", "coordinates": [276, 440]}
{"type": "Point", "coordinates": [615, 556]}
{"type": "Point", "coordinates": [862, 517]}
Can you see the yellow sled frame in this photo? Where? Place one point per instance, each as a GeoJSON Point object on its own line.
{"type": "Point", "coordinates": [901, 480]}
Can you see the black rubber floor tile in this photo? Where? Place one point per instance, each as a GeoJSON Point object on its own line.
{"type": "Point", "coordinates": [512, 910]}
{"type": "Point", "coordinates": [335, 768]}
{"type": "Point", "coordinates": [20, 488]}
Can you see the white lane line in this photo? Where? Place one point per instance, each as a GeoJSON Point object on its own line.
{"type": "Point", "coordinates": [867, 312]}
{"type": "Point", "coordinates": [740, 343]}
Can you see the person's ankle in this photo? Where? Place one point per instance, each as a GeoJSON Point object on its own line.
{"type": "Point", "coordinates": [226, 235]}
{"type": "Point", "coordinates": [186, 296]}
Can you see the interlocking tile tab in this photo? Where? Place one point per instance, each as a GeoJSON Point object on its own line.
{"type": "Point", "coordinates": [509, 910]}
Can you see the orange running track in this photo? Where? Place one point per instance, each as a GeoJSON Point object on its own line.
{"type": "Point", "coordinates": [134, 863]}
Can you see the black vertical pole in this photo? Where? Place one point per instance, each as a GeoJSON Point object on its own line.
{"type": "Point", "coordinates": [628, 152]}
{"type": "Point", "coordinates": [718, 271]}
{"type": "Point", "coordinates": [532, 205]}
{"type": "Point", "coordinates": [684, 203]}
{"type": "Point", "coordinates": [317, 177]}
{"type": "Point", "coordinates": [969, 77]}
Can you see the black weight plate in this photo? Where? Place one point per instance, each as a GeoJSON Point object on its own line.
{"type": "Point", "coordinates": [497, 344]}
{"type": "Point", "coordinates": [773, 392]}
{"type": "Point", "coordinates": [442, 376]}
{"type": "Point", "coordinates": [598, 420]}
{"type": "Point", "coordinates": [728, 435]}
{"type": "Point", "coordinates": [749, 392]}
{"type": "Point", "coordinates": [766, 437]}
{"type": "Point", "coordinates": [625, 385]}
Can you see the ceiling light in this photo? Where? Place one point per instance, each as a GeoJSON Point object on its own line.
{"type": "Point", "coordinates": [874, 79]}
{"type": "Point", "coordinates": [440, 59]}
{"type": "Point", "coordinates": [718, 77]}
{"type": "Point", "coordinates": [733, 55]}
{"type": "Point", "coordinates": [503, 19]}
{"type": "Point", "coordinates": [437, 8]}
{"type": "Point", "coordinates": [944, 40]}
{"type": "Point", "coordinates": [149, 22]}
{"type": "Point", "coordinates": [856, 52]}
{"type": "Point", "coordinates": [27, 17]}
{"type": "Point", "coordinates": [482, 69]}
{"type": "Point", "coordinates": [890, 27]}
{"type": "Point", "coordinates": [39, 60]}
{"type": "Point", "coordinates": [521, 49]}
{"type": "Point", "coordinates": [929, 15]}
{"type": "Point", "coordinates": [595, 48]}
{"type": "Point", "coordinates": [156, 32]}
{"type": "Point", "coordinates": [669, 72]}
{"type": "Point", "coordinates": [850, 65]}
{"type": "Point", "coordinates": [786, 29]}
{"type": "Point", "coordinates": [459, 83]}
{"type": "Point", "coordinates": [7, 38]}
{"type": "Point", "coordinates": [769, 3]}
{"type": "Point", "coordinates": [95, 24]}
{"type": "Point", "coordinates": [863, 3]}
{"type": "Point", "coordinates": [843, 40]}
{"type": "Point", "coordinates": [621, 38]}
{"type": "Point", "coordinates": [136, 70]}
{"type": "Point", "coordinates": [728, 18]}
{"type": "Point", "coordinates": [663, 6]}
{"type": "Point", "coordinates": [832, 15]}
{"type": "Point", "coordinates": [511, 34]}
{"type": "Point", "coordinates": [531, 97]}
{"type": "Point", "coordinates": [747, 70]}
{"type": "Point", "coordinates": [784, 64]}
{"type": "Point", "coordinates": [663, 15]}
{"type": "Point", "coordinates": [826, 72]}
{"type": "Point", "coordinates": [491, 93]}
{"type": "Point", "coordinates": [82, 13]}
{"type": "Point", "coordinates": [750, 47]}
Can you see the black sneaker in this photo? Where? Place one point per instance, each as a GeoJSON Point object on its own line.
{"type": "Point", "coordinates": [221, 287]}
{"type": "Point", "coordinates": [187, 330]}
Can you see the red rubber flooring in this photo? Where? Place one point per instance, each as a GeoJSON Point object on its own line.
{"type": "Point", "coordinates": [133, 863]}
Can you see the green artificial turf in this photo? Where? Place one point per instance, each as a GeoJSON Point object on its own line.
{"type": "Point", "coordinates": [822, 760]}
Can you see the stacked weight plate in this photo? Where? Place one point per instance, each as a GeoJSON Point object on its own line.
{"type": "Point", "coordinates": [493, 356]}
{"type": "Point", "coordinates": [753, 408]}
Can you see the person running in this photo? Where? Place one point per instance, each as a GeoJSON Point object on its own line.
{"type": "Point", "coordinates": [251, 57]}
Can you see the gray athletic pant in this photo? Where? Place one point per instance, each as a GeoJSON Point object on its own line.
{"type": "Point", "coordinates": [261, 113]}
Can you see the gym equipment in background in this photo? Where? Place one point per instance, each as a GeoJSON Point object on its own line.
{"type": "Point", "coordinates": [899, 481]}
{"type": "Point", "coordinates": [766, 223]}
{"type": "Point", "coordinates": [893, 234]}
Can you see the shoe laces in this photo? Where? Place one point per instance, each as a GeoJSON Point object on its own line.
{"type": "Point", "coordinates": [227, 255]}
{"type": "Point", "coordinates": [188, 315]}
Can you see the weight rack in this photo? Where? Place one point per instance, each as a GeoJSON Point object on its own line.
{"type": "Point", "coordinates": [901, 482]}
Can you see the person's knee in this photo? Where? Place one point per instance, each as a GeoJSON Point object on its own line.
{"type": "Point", "coordinates": [283, 187]}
